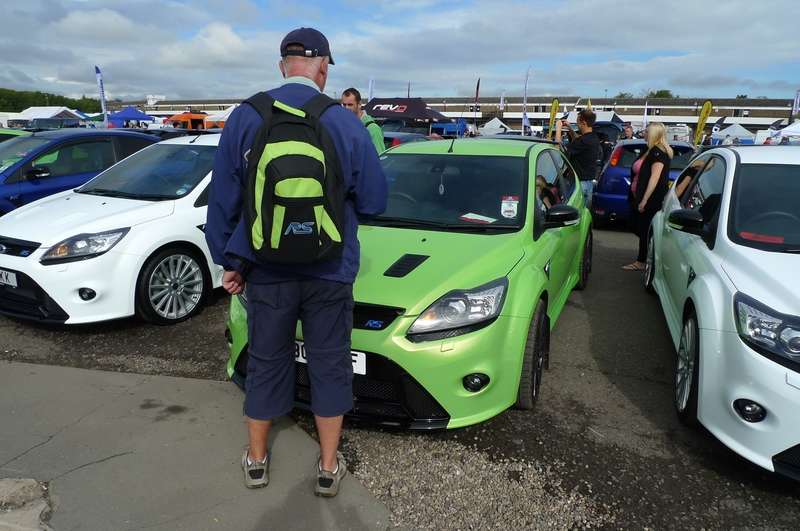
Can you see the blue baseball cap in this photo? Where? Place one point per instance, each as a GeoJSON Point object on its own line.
{"type": "Point", "coordinates": [313, 42]}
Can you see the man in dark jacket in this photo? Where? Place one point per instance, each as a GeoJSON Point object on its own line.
{"type": "Point", "coordinates": [583, 151]}
{"type": "Point", "coordinates": [320, 295]}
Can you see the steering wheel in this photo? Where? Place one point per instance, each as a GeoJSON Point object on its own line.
{"type": "Point", "coordinates": [405, 196]}
{"type": "Point", "coordinates": [775, 214]}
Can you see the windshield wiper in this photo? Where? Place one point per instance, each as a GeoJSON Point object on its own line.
{"type": "Point", "coordinates": [126, 195]}
{"type": "Point", "coordinates": [410, 222]}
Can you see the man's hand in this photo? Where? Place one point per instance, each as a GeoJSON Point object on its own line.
{"type": "Point", "coordinates": [642, 205]}
{"type": "Point", "coordinates": [233, 282]}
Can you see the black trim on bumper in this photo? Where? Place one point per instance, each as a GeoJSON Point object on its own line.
{"type": "Point", "coordinates": [29, 301]}
{"type": "Point", "coordinates": [787, 463]}
{"type": "Point", "coordinates": [387, 395]}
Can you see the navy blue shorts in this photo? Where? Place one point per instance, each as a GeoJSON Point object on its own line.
{"type": "Point", "coordinates": [325, 310]}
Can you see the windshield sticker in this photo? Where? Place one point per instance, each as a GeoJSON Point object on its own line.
{"type": "Point", "coordinates": [477, 218]}
{"type": "Point", "coordinates": [509, 206]}
{"type": "Point", "coordinates": [180, 191]}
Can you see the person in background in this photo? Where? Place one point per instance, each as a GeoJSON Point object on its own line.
{"type": "Point", "coordinates": [583, 151]}
{"type": "Point", "coordinates": [627, 132]}
{"type": "Point", "coordinates": [351, 100]}
{"type": "Point", "coordinates": [545, 192]}
{"type": "Point", "coordinates": [652, 187]}
{"type": "Point", "coordinates": [728, 141]}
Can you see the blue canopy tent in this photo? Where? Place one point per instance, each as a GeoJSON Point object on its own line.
{"type": "Point", "coordinates": [127, 114]}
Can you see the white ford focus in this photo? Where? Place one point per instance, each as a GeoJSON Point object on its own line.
{"type": "Point", "coordinates": [724, 259]}
{"type": "Point", "coordinates": [130, 241]}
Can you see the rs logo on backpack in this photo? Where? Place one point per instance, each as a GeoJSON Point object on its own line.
{"type": "Point", "coordinates": [293, 177]}
{"type": "Point", "coordinates": [300, 229]}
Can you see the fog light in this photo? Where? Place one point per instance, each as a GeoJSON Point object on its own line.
{"type": "Point", "coordinates": [86, 294]}
{"type": "Point", "coordinates": [749, 410]}
{"type": "Point", "coordinates": [475, 382]}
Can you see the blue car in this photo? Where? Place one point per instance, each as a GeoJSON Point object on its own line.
{"type": "Point", "coordinates": [610, 198]}
{"type": "Point", "coordinates": [48, 162]}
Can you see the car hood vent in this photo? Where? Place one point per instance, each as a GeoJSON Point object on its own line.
{"type": "Point", "coordinates": [405, 265]}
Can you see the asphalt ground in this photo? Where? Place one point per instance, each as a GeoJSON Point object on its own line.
{"type": "Point", "coordinates": [603, 447]}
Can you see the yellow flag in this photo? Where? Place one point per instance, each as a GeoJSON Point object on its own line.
{"type": "Point", "coordinates": [553, 110]}
{"type": "Point", "coordinates": [701, 121]}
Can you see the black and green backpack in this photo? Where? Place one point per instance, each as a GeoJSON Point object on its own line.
{"type": "Point", "coordinates": [295, 194]}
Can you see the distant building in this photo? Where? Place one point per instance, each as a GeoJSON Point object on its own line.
{"type": "Point", "coordinates": [752, 113]}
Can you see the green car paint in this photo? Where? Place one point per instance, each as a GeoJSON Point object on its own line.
{"type": "Point", "coordinates": [538, 265]}
{"type": "Point", "coordinates": [8, 134]}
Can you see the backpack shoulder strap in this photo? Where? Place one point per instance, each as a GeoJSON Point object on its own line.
{"type": "Point", "coordinates": [318, 105]}
{"type": "Point", "coordinates": [262, 102]}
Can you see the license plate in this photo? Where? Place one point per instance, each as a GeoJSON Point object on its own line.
{"type": "Point", "coordinates": [8, 278]}
{"type": "Point", "coordinates": [359, 358]}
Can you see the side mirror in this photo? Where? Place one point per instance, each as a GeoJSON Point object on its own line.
{"type": "Point", "coordinates": [38, 172]}
{"type": "Point", "coordinates": [561, 216]}
{"type": "Point", "coordinates": [687, 220]}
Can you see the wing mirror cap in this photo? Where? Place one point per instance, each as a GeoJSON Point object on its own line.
{"type": "Point", "coordinates": [561, 216]}
{"type": "Point", "coordinates": [687, 220]}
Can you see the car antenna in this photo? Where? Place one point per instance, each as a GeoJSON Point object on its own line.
{"type": "Point", "coordinates": [192, 141]}
{"type": "Point", "coordinates": [450, 149]}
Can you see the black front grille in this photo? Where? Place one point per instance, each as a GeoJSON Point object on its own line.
{"type": "Point", "coordinates": [14, 247]}
{"type": "Point", "coordinates": [788, 462]}
{"type": "Point", "coordinates": [386, 395]}
{"type": "Point", "coordinates": [373, 316]}
{"type": "Point", "coordinates": [29, 300]}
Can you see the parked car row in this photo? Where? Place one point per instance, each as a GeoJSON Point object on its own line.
{"type": "Point", "coordinates": [478, 263]}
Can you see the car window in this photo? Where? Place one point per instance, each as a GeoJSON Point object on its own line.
{"type": "Point", "coordinates": [705, 193]}
{"type": "Point", "coordinates": [539, 214]}
{"type": "Point", "coordinates": [681, 157]}
{"type": "Point", "coordinates": [630, 153]}
{"type": "Point", "coordinates": [545, 167]}
{"type": "Point", "coordinates": [455, 191]}
{"type": "Point", "coordinates": [72, 159]}
{"type": "Point", "coordinates": [688, 175]}
{"type": "Point", "coordinates": [16, 149]}
{"type": "Point", "coordinates": [128, 145]}
{"type": "Point", "coordinates": [202, 199]}
{"type": "Point", "coordinates": [765, 211]}
{"type": "Point", "coordinates": [6, 136]}
{"type": "Point", "coordinates": [164, 171]}
{"type": "Point", "coordinates": [566, 182]}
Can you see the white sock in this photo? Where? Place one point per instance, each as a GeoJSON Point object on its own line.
{"type": "Point", "coordinates": [319, 465]}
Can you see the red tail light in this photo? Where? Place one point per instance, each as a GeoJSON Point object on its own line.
{"type": "Point", "coordinates": [395, 142]}
{"type": "Point", "coordinates": [615, 156]}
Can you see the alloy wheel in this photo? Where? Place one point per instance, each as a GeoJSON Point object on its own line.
{"type": "Point", "coordinates": [176, 286]}
{"type": "Point", "coordinates": [684, 371]}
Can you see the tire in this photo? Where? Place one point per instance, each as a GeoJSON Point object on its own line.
{"type": "Point", "coordinates": [586, 262]}
{"type": "Point", "coordinates": [173, 286]}
{"type": "Point", "coordinates": [650, 264]}
{"type": "Point", "coordinates": [687, 371]}
{"type": "Point", "coordinates": [535, 359]}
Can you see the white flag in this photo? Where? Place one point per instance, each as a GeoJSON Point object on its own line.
{"type": "Point", "coordinates": [644, 116]}
{"type": "Point", "coordinates": [99, 77]}
{"type": "Point", "coordinates": [371, 89]}
{"type": "Point", "coordinates": [525, 123]}
{"type": "Point", "coordinates": [796, 104]}
{"type": "Point", "coordinates": [503, 101]}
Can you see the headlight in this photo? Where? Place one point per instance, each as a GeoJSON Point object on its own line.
{"type": "Point", "coordinates": [767, 330]}
{"type": "Point", "coordinates": [462, 311]}
{"type": "Point", "coordinates": [83, 247]}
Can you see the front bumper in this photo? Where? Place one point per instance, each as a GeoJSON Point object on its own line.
{"type": "Point", "coordinates": [50, 293]}
{"type": "Point", "coordinates": [731, 370]}
{"type": "Point", "coordinates": [417, 385]}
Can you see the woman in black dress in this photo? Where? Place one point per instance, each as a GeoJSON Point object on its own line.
{"type": "Point", "coordinates": [652, 187]}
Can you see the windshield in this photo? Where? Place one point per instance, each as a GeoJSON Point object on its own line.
{"type": "Point", "coordinates": [680, 158]}
{"type": "Point", "coordinates": [159, 172]}
{"type": "Point", "coordinates": [454, 192]}
{"type": "Point", "coordinates": [765, 210]}
{"type": "Point", "coordinates": [16, 149]}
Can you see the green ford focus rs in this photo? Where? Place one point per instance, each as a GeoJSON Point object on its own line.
{"type": "Point", "coordinates": [461, 280]}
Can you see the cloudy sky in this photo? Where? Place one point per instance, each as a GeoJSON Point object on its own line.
{"type": "Point", "coordinates": [229, 48]}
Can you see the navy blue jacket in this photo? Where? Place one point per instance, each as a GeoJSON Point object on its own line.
{"type": "Point", "coordinates": [226, 233]}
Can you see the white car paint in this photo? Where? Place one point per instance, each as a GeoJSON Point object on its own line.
{"type": "Point", "coordinates": [729, 368]}
{"type": "Point", "coordinates": [112, 275]}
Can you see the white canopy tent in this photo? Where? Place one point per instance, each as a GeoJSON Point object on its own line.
{"type": "Point", "coordinates": [734, 131]}
{"type": "Point", "coordinates": [494, 126]}
{"type": "Point", "coordinates": [31, 113]}
{"type": "Point", "coordinates": [789, 130]}
{"type": "Point", "coordinates": [221, 116]}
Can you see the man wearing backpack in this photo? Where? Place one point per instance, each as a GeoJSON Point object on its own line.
{"type": "Point", "coordinates": [351, 100]}
{"type": "Point", "coordinates": [292, 172]}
